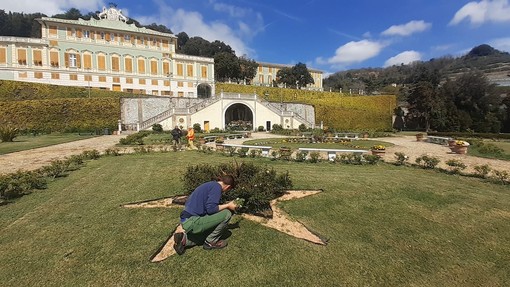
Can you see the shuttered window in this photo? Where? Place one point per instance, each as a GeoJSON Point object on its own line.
{"type": "Point", "coordinates": [79, 33]}
{"type": "Point", "coordinates": [180, 70]}
{"type": "Point", "coordinates": [154, 67]}
{"type": "Point", "coordinates": [141, 81]}
{"type": "Point", "coordinates": [115, 63]}
{"type": "Point", "coordinates": [165, 43]}
{"type": "Point", "coordinates": [38, 75]}
{"type": "Point", "coordinates": [87, 61]}
{"type": "Point", "coordinates": [54, 58]}
{"type": "Point", "coordinates": [3, 55]}
{"type": "Point", "coordinates": [101, 62]}
{"type": "Point", "coordinates": [53, 30]}
{"type": "Point", "coordinates": [204, 71]}
{"type": "Point", "coordinates": [189, 69]}
{"type": "Point", "coordinates": [154, 82]}
{"type": "Point", "coordinates": [22, 56]}
{"type": "Point", "coordinates": [166, 68]}
{"type": "Point", "coordinates": [141, 66]}
{"type": "Point", "coordinates": [55, 76]}
{"type": "Point", "coordinates": [128, 65]}
{"type": "Point", "coordinates": [37, 57]}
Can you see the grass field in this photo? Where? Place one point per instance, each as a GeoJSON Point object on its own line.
{"type": "Point", "coordinates": [27, 142]}
{"type": "Point", "coordinates": [387, 225]}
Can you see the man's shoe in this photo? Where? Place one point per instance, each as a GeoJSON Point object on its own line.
{"type": "Point", "coordinates": [179, 243]}
{"type": "Point", "coordinates": [216, 245]}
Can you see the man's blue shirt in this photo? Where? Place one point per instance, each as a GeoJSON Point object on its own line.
{"type": "Point", "coordinates": [204, 199]}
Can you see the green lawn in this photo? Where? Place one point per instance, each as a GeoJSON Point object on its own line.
{"type": "Point", "coordinates": [27, 142]}
{"type": "Point", "coordinates": [387, 225]}
{"type": "Point", "coordinates": [279, 142]}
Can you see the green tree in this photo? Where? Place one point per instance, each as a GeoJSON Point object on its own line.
{"type": "Point", "coordinates": [226, 67]}
{"type": "Point", "coordinates": [296, 77]}
{"type": "Point", "coordinates": [182, 39]}
{"type": "Point", "coordinates": [248, 69]}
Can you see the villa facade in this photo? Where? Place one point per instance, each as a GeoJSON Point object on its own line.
{"type": "Point", "coordinates": [106, 54]}
{"type": "Point", "coordinates": [266, 74]}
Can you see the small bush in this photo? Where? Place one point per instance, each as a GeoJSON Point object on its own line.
{"type": "Point", "coordinates": [371, 159]}
{"type": "Point", "coordinates": [260, 128]}
{"type": "Point", "coordinates": [349, 158]}
{"type": "Point", "coordinates": [482, 170]}
{"type": "Point", "coordinates": [255, 153]}
{"type": "Point", "coordinates": [56, 168]}
{"type": "Point", "coordinates": [490, 149]}
{"type": "Point", "coordinates": [158, 128]}
{"type": "Point", "coordinates": [401, 158]}
{"type": "Point", "coordinates": [501, 175]}
{"type": "Point", "coordinates": [112, 151]}
{"type": "Point", "coordinates": [301, 156]}
{"type": "Point", "coordinates": [91, 154]}
{"type": "Point", "coordinates": [315, 157]}
{"type": "Point", "coordinates": [197, 128]}
{"type": "Point", "coordinates": [8, 133]}
{"type": "Point", "coordinates": [455, 165]}
{"type": "Point", "coordinates": [243, 152]}
{"type": "Point", "coordinates": [302, 128]}
{"type": "Point", "coordinates": [427, 161]}
{"type": "Point", "coordinates": [135, 139]}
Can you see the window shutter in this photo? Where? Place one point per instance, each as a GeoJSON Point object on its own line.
{"type": "Point", "coordinates": [79, 34]}
{"type": "Point", "coordinates": [87, 61]}
{"type": "Point", "coordinates": [78, 60]}
{"type": "Point", "coordinates": [3, 55]}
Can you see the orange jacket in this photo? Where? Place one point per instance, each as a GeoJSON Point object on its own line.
{"type": "Point", "coordinates": [191, 134]}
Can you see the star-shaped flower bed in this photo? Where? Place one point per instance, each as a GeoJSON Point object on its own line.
{"type": "Point", "coordinates": [279, 221]}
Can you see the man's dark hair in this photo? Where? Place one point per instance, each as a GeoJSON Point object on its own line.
{"type": "Point", "coordinates": [228, 179]}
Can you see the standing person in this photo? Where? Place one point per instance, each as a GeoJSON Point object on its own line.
{"type": "Point", "coordinates": [204, 216]}
{"type": "Point", "coordinates": [191, 137]}
{"type": "Point", "coordinates": [176, 138]}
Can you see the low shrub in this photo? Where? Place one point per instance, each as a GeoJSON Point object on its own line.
{"type": "Point", "coordinates": [8, 133]}
{"type": "Point", "coordinates": [255, 153]}
{"type": "Point", "coordinates": [427, 161]}
{"type": "Point", "coordinates": [158, 128]}
{"type": "Point", "coordinates": [315, 157]}
{"type": "Point", "coordinates": [91, 154]}
{"type": "Point", "coordinates": [112, 151]}
{"type": "Point", "coordinates": [56, 168]}
{"type": "Point", "coordinates": [501, 175]}
{"type": "Point", "coordinates": [135, 139]}
{"type": "Point", "coordinates": [243, 152]}
{"type": "Point", "coordinates": [401, 158]}
{"type": "Point", "coordinates": [455, 165]}
{"type": "Point", "coordinates": [349, 158]}
{"type": "Point", "coordinates": [371, 159]}
{"type": "Point", "coordinates": [301, 156]}
{"type": "Point", "coordinates": [482, 170]}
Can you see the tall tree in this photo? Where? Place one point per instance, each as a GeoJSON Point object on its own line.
{"type": "Point", "coordinates": [424, 102]}
{"type": "Point", "coordinates": [297, 76]}
{"type": "Point", "coordinates": [182, 39]}
{"type": "Point", "coordinates": [226, 67]}
{"type": "Point", "coordinates": [247, 69]}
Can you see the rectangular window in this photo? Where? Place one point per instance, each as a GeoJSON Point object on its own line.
{"type": "Point", "coordinates": [166, 83]}
{"type": "Point", "coordinates": [69, 32]}
{"type": "Point", "coordinates": [22, 75]}
{"type": "Point", "coordinates": [37, 57]}
{"type": "Point", "coordinates": [180, 94]}
{"type": "Point", "coordinates": [3, 55]}
{"type": "Point", "coordinates": [87, 61]}
{"type": "Point", "coordinates": [55, 76]}
{"type": "Point", "coordinates": [129, 80]}
{"type": "Point", "coordinates": [128, 65]}
{"type": "Point", "coordinates": [190, 85]}
{"type": "Point", "coordinates": [54, 58]}
{"type": "Point", "coordinates": [180, 84]}
{"type": "Point", "coordinates": [127, 37]}
{"type": "Point", "coordinates": [53, 30]}
{"type": "Point", "coordinates": [79, 33]}
{"type": "Point", "coordinates": [22, 56]}
{"type": "Point", "coordinates": [38, 75]}
{"type": "Point", "coordinates": [166, 68]}
{"type": "Point", "coordinates": [189, 70]}
{"type": "Point", "coordinates": [116, 79]}
{"type": "Point", "coordinates": [73, 77]}
{"type": "Point", "coordinates": [101, 62]}
{"type": "Point", "coordinates": [154, 82]}
{"type": "Point", "coordinates": [204, 71]}
{"type": "Point", "coordinates": [260, 69]}
{"type": "Point", "coordinates": [115, 64]}
{"type": "Point", "coordinates": [86, 34]}
{"type": "Point", "coordinates": [165, 44]}
{"type": "Point", "coordinates": [141, 81]}
{"type": "Point", "coordinates": [103, 36]}
{"type": "Point", "coordinates": [180, 70]}
{"type": "Point", "coordinates": [72, 61]}
{"type": "Point", "coordinates": [87, 78]}
{"type": "Point", "coordinates": [141, 66]}
{"type": "Point", "coordinates": [261, 79]}
{"type": "Point", "coordinates": [154, 67]}
{"type": "Point", "coordinates": [102, 79]}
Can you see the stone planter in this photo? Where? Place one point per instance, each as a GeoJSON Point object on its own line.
{"type": "Point", "coordinates": [378, 152]}
{"type": "Point", "coordinates": [451, 143]}
{"type": "Point", "coordinates": [460, 149]}
{"type": "Point", "coordinates": [419, 137]}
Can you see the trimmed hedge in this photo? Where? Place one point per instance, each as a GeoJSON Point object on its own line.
{"type": "Point", "coordinates": [335, 110]}
{"type": "Point", "coordinates": [63, 115]}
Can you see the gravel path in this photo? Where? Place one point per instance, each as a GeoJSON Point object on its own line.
{"type": "Point", "coordinates": [35, 158]}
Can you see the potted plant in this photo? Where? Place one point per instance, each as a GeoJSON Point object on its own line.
{"type": "Point", "coordinates": [419, 137]}
{"type": "Point", "coordinates": [378, 150]}
{"type": "Point", "coordinates": [460, 147]}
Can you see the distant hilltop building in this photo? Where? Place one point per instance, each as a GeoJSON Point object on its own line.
{"type": "Point", "coordinates": [106, 54]}
{"type": "Point", "coordinates": [266, 74]}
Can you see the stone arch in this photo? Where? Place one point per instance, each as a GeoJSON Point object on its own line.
{"type": "Point", "coordinates": [239, 117]}
{"type": "Point", "coordinates": [204, 91]}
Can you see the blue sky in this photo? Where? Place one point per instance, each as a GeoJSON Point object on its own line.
{"type": "Point", "coordinates": [330, 35]}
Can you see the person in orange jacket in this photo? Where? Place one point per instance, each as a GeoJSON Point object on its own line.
{"type": "Point", "coordinates": [191, 137]}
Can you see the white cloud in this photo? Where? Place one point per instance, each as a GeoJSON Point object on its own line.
{"type": "Point", "coordinates": [403, 58]}
{"type": "Point", "coordinates": [484, 11]}
{"type": "Point", "coordinates": [354, 52]}
{"type": "Point", "coordinates": [51, 7]}
{"type": "Point", "coordinates": [407, 29]}
{"type": "Point", "coordinates": [194, 24]}
{"type": "Point", "coordinates": [232, 11]}
{"type": "Point", "coordinates": [502, 44]}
